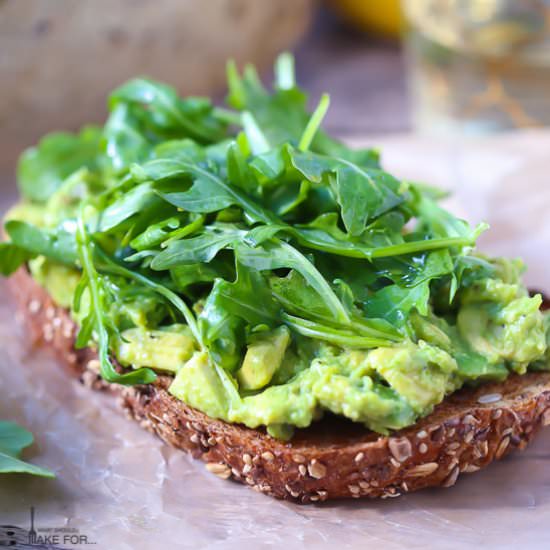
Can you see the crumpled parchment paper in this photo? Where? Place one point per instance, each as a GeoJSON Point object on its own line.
{"type": "Point", "coordinates": [121, 488]}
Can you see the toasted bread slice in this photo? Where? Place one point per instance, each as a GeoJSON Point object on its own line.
{"type": "Point", "coordinates": [332, 459]}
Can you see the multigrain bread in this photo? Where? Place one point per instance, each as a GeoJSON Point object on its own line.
{"type": "Point", "coordinates": [332, 459]}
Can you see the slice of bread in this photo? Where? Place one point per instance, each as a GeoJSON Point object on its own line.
{"type": "Point", "coordinates": [332, 459]}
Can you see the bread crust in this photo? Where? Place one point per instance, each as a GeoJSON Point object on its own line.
{"type": "Point", "coordinates": [332, 459]}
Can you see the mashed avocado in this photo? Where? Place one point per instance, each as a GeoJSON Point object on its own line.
{"type": "Point", "coordinates": [282, 384]}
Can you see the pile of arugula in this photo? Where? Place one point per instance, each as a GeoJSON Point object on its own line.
{"type": "Point", "coordinates": [235, 220]}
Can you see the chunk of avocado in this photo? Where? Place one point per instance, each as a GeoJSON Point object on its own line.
{"type": "Point", "coordinates": [199, 384]}
{"type": "Point", "coordinates": [165, 350]}
{"type": "Point", "coordinates": [513, 333]}
{"type": "Point", "coordinates": [420, 373]}
{"type": "Point", "coordinates": [263, 357]}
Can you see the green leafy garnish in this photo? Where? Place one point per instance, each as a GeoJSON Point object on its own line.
{"type": "Point", "coordinates": [97, 319]}
{"type": "Point", "coordinates": [42, 169]}
{"type": "Point", "coordinates": [13, 439]}
{"type": "Point", "coordinates": [230, 226]}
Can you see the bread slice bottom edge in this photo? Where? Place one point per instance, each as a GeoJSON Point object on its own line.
{"type": "Point", "coordinates": [333, 458]}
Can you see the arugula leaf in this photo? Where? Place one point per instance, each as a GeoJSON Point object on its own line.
{"type": "Point", "coordinates": [273, 255]}
{"type": "Point", "coordinates": [155, 234]}
{"type": "Point", "coordinates": [229, 305]}
{"type": "Point", "coordinates": [239, 172]}
{"type": "Point", "coordinates": [209, 193]}
{"type": "Point", "coordinates": [204, 196]}
{"type": "Point", "coordinates": [300, 300]}
{"type": "Point", "coordinates": [189, 274]}
{"type": "Point", "coordinates": [123, 139]}
{"type": "Point", "coordinates": [130, 203]}
{"type": "Point", "coordinates": [362, 194]}
{"type": "Point", "coordinates": [13, 439]}
{"type": "Point", "coordinates": [249, 298]}
{"type": "Point", "coordinates": [395, 303]}
{"type": "Point", "coordinates": [436, 221]}
{"type": "Point", "coordinates": [168, 113]}
{"type": "Point", "coordinates": [277, 254]}
{"type": "Point", "coordinates": [202, 248]}
{"type": "Point", "coordinates": [298, 297]}
{"type": "Point", "coordinates": [221, 332]}
{"type": "Point", "coordinates": [411, 270]}
{"type": "Point", "coordinates": [12, 258]}
{"type": "Point", "coordinates": [42, 169]}
{"type": "Point", "coordinates": [360, 199]}
{"type": "Point", "coordinates": [282, 116]}
{"type": "Point", "coordinates": [57, 244]}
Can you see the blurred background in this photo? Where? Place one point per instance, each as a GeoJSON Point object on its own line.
{"type": "Point", "coordinates": [436, 67]}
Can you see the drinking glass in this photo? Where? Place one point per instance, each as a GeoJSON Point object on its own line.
{"type": "Point", "coordinates": [478, 66]}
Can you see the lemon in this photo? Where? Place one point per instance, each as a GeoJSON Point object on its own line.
{"type": "Point", "coordinates": [379, 16]}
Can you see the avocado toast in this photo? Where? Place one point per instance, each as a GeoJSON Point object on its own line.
{"type": "Point", "coordinates": [260, 294]}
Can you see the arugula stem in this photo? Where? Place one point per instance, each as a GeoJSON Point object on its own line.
{"type": "Point", "coordinates": [357, 324]}
{"type": "Point", "coordinates": [108, 371]}
{"type": "Point", "coordinates": [354, 250]}
{"type": "Point", "coordinates": [285, 78]}
{"type": "Point", "coordinates": [237, 94]}
{"type": "Point", "coordinates": [421, 246]}
{"type": "Point", "coordinates": [256, 138]}
{"type": "Point", "coordinates": [227, 116]}
{"type": "Point", "coordinates": [183, 231]}
{"type": "Point", "coordinates": [332, 335]}
{"type": "Point", "coordinates": [314, 123]}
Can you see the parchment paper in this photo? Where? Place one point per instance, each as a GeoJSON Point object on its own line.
{"type": "Point", "coordinates": [121, 488]}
